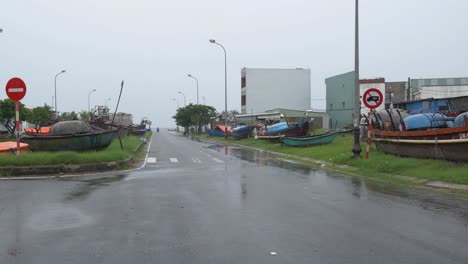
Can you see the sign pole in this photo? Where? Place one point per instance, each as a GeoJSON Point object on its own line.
{"type": "Point", "coordinates": [18, 131]}
{"type": "Point", "coordinates": [372, 99]}
{"type": "Point", "coordinates": [16, 90]}
{"type": "Point", "coordinates": [369, 129]}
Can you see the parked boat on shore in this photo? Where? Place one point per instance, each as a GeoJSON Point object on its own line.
{"type": "Point", "coordinates": [10, 148]}
{"type": "Point", "coordinates": [70, 135]}
{"type": "Point", "coordinates": [450, 143]}
{"type": "Point", "coordinates": [309, 140]}
{"type": "Point", "coordinates": [219, 131]}
{"type": "Point", "coordinates": [241, 132]}
{"type": "Point", "coordinates": [290, 130]}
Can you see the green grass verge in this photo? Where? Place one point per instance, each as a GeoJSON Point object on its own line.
{"type": "Point", "coordinates": [379, 165]}
{"type": "Point", "coordinates": [112, 153]}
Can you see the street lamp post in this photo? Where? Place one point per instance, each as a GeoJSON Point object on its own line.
{"type": "Point", "coordinates": [55, 94]}
{"type": "Point", "coordinates": [225, 84]}
{"type": "Point", "coordinates": [173, 99]}
{"type": "Point", "coordinates": [191, 76]}
{"type": "Point", "coordinates": [185, 101]}
{"type": "Point", "coordinates": [105, 102]}
{"type": "Point", "coordinates": [357, 106]}
{"type": "Point", "coordinates": [89, 98]}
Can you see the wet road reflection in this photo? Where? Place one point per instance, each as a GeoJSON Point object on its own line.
{"type": "Point", "coordinates": [359, 188]}
{"type": "Point", "coordinates": [91, 184]}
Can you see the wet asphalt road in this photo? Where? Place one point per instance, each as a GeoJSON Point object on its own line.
{"type": "Point", "coordinates": [201, 203]}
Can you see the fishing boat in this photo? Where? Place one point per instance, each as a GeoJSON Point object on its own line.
{"type": "Point", "coordinates": [70, 136]}
{"type": "Point", "coordinates": [219, 131]}
{"type": "Point", "coordinates": [10, 148]}
{"type": "Point", "coordinates": [138, 130]}
{"type": "Point", "coordinates": [241, 132]}
{"type": "Point", "coordinates": [42, 130]}
{"type": "Point", "coordinates": [309, 140]}
{"type": "Point", "coordinates": [289, 130]}
{"type": "Point", "coordinates": [450, 143]}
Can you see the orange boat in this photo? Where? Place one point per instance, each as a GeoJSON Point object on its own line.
{"type": "Point", "coordinates": [9, 147]}
{"type": "Point", "coordinates": [42, 131]}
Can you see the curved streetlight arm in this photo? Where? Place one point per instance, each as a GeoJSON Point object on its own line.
{"type": "Point", "coordinates": [191, 76]}
{"type": "Point", "coordinates": [89, 97]}
{"type": "Point", "coordinates": [185, 101]}
{"type": "Point", "coordinates": [55, 91]}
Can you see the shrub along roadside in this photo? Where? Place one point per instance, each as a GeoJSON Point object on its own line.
{"type": "Point", "coordinates": [112, 153]}
{"type": "Point", "coordinates": [379, 165]}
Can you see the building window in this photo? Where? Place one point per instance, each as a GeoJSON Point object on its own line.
{"type": "Point", "coordinates": [242, 82]}
{"type": "Point", "coordinates": [331, 106]}
{"type": "Point", "coordinates": [344, 104]}
{"type": "Point", "coordinates": [243, 99]}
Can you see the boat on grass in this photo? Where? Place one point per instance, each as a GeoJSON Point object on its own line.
{"type": "Point", "coordinates": [10, 147]}
{"type": "Point", "coordinates": [219, 131]}
{"type": "Point", "coordinates": [70, 136]}
{"type": "Point", "coordinates": [289, 130]}
{"type": "Point", "coordinates": [449, 143]}
{"type": "Point", "coordinates": [309, 140]}
{"type": "Point", "coordinates": [241, 132]}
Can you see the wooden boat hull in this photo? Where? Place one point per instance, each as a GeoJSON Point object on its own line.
{"type": "Point", "coordinates": [442, 143]}
{"type": "Point", "coordinates": [97, 140]}
{"type": "Point", "coordinates": [309, 140]}
{"type": "Point", "coordinates": [445, 149]}
{"type": "Point", "coordinates": [431, 134]}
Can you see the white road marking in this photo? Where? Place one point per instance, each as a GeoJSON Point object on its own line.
{"type": "Point", "coordinates": [217, 160]}
{"type": "Point", "coordinates": [15, 90]}
{"type": "Point", "coordinates": [195, 160]}
{"type": "Point", "coordinates": [174, 160]}
{"type": "Point", "coordinates": [151, 160]}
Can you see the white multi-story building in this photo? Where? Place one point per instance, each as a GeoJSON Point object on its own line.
{"type": "Point", "coordinates": [265, 89]}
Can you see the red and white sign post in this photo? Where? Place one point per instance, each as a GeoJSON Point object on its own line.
{"type": "Point", "coordinates": [16, 90]}
{"type": "Point", "coordinates": [372, 98]}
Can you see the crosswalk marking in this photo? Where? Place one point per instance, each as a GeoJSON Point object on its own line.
{"type": "Point", "coordinates": [217, 160]}
{"type": "Point", "coordinates": [174, 160]}
{"type": "Point", "coordinates": [195, 160]}
{"type": "Point", "coordinates": [151, 160]}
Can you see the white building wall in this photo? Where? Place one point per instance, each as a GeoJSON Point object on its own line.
{"type": "Point", "coordinates": [277, 88]}
{"type": "Point", "coordinates": [441, 91]}
{"type": "Point", "coordinates": [364, 87]}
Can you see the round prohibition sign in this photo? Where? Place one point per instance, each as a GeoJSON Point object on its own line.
{"type": "Point", "coordinates": [372, 98]}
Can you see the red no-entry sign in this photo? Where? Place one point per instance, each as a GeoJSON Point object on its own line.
{"type": "Point", "coordinates": [15, 89]}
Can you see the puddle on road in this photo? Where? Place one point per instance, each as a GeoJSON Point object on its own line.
{"type": "Point", "coordinates": [90, 185]}
{"type": "Point", "coordinates": [439, 202]}
{"type": "Point", "coordinates": [261, 158]}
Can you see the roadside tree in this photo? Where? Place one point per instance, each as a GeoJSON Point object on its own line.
{"type": "Point", "coordinates": [39, 117]}
{"type": "Point", "coordinates": [66, 116]}
{"type": "Point", "coordinates": [194, 116]}
{"type": "Point", "coordinates": [8, 114]}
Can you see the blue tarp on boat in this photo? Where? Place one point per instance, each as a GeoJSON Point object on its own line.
{"type": "Point", "coordinates": [424, 121]}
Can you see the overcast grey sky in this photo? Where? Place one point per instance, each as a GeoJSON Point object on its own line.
{"type": "Point", "coordinates": [152, 45]}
